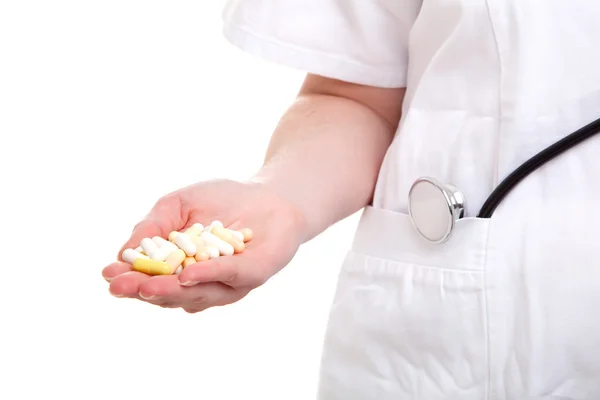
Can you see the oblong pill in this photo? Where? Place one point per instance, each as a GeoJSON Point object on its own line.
{"type": "Point", "coordinates": [188, 261]}
{"type": "Point", "coordinates": [176, 258]}
{"type": "Point", "coordinates": [178, 270]}
{"type": "Point", "coordinates": [152, 267]}
{"type": "Point", "coordinates": [159, 241]}
{"type": "Point", "coordinates": [148, 246]}
{"type": "Point", "coordinates": [213, 252]}
{"type": "Point", "coordinates": [186, 244]}
{"type": "Point", "coordinates": [195, 229]}
{"type": "Point", "coordinates": [208, 228]}
{"type": "Point", "coordinates": [227, 236]}
{"type": "Point", "coordinates": [225, 249]}
{"type": "Point", "coordinates": [247, 233]}
{"type": "Point", "coordinates": [162, 242]}
{"type": "Point", "coordinates": [161, 254]}
{"type": "Point", "coordinates": [198, 242]}
{"type": "Point", "coordinates": [203, 254]}
{"type": "Point", "coordinates": [236, 234]}
{"type": "Point", "coordinates": [172, 236]}
{"type": "Point", "coordinates": [130, 255]}
{"type": "Point", "coordinates": [221, 233]}
{"type": "Point", "coordinates": [139, 249]}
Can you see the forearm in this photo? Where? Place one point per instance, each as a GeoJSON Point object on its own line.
{"type": "Point", "coordinates": [325, 156]}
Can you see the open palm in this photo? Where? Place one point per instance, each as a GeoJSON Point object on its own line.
{"type": "Point", "coordinates": [277, 233]}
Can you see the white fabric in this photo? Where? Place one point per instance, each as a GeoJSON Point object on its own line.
{"type": "Point", "coordinates": [506, 309]}
{"type": "Point", "coordinates": [361, 41]}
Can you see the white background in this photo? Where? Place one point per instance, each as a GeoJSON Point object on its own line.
{"type": "Point", "coordinates": [104, 107]}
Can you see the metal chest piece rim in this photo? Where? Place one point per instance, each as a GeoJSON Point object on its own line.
{"type": "Point", "coordinates": [434, 208]}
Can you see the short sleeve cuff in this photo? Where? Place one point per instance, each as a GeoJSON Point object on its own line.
{"type": "Point", "coordinates": [314, 62]}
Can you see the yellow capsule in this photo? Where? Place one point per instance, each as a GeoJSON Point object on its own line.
{"type": "Point", "coordinates": [176, 258]}
{"type": "Point", "coordinates": [188, 261]}
{"type": "Point", "coordinates": [202, 255]}
{"type": "Point", "coordinates": [247, 233]}
{"type": "Point", "coordinates": [152, 267]}
{"type": "Point", "coordinates": [195, 229]}
{"type": "Point", "coordinates": [227, 236]}
{"type": "Point", "coordinates": [197, 240]}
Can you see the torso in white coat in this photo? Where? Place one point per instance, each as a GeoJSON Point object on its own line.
{"type": "Point", "coordinates": [506, 309]}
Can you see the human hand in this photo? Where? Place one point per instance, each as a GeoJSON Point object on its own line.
{"type": "Point", "coordinates": [278, 230]}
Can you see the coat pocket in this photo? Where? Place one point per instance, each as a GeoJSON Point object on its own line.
{"type": "Point", "coordinates": [399, 330]}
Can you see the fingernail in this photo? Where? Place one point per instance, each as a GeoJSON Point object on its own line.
{"type": "Point", "coordinates": [107, 279]}
{"type": "Point", "coordinates": [188, 283]}
{"type": "Point", "coordinates": [114, 294]}
{"type": "Point", "coordinates": [149, 297]}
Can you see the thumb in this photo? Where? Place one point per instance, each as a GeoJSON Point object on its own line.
{"type": "Point", "coordinates": [249, 269]}
{"type": "Point", "coordinates": [167, 215]}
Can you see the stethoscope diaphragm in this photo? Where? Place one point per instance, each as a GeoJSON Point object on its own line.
{"type": "Point", "coordinates": [434, 208]}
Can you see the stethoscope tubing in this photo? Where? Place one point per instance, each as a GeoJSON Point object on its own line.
{"type": "Point", "coordinates": [535, 162]}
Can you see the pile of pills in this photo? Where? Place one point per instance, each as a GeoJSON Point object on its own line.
{"type": "Point", "coordinates": [159, 256]}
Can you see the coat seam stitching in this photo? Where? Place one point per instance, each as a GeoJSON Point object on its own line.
{"type": "Point", "coordinates": [417, 264]}
{"type": "Point", "coordinates": [487, 314]}
{"type": "Point", "coordinates": [495, 179]}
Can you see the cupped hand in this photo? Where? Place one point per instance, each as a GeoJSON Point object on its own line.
{"type": "Point", "coordinates": [278, 230]}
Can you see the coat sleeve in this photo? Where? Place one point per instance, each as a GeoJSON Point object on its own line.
{"type": "Point", "coordinates": [358, 41]}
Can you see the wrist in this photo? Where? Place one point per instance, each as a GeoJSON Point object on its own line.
{"type": "Point", "coordinates": [288, 192]}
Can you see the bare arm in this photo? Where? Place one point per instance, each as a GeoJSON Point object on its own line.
{"type": "Point", "coordinates": [327, 149]}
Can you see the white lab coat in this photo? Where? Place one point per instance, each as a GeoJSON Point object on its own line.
{"type": "Point", "coordinates": [507, 308]}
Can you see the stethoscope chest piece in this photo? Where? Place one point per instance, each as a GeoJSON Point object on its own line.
{"type": "Point", "coordinates": [434, 208]}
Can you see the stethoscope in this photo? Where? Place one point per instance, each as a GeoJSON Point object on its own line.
{"type": "Point", "coordinates": [434, 207]}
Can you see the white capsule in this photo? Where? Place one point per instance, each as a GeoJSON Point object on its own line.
{"type": "Point", "coordinates": [139, 249]}
{"type": "Point", "coordinates": [225, 249]}
{"type": "Point", "coordinates": [130, 255]}
{"type": "Point", "coordinates": [197, 227]}
{"type": "Point", "coordinates": [161, 242]}
{"type": "Point", "coordinates": [160, 254]}
{"type": "Point", "coordinates": [213, 252]}
{"type": "Point", "coordinates": [186, 244]}
{"type": "Point", "coordinates": [178, 270]}
{"type": "Point", "coordinates": [148, 246]}
{"type": "Point", "coordinates": [236, 234]}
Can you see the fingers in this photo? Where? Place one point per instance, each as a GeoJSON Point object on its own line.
{"type": "Point", "coordinates": [115, 269]}
{"type": "Point", "coordinates": [167, 292]}
{"type": "Point", "coordinates": [166, 216]}
{"type": "Point", "coordinates": [237, 271]}
{"type": "Point", "coordinates": [127, 284]}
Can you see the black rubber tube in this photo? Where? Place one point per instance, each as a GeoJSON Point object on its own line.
{"type": "Point", "coordinates": [534, 163]}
